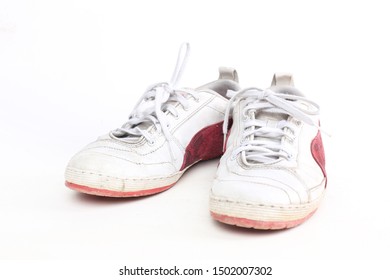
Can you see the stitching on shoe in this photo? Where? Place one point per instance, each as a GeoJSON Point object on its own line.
{"type": "Point", "coordinates": [124, 179]}
{"type": "Point", "coordinates": [304, 206]}
{"type": "Point", "coordinates": [130, 150]}
{"type": "Point", "coordinates": [192, 114]}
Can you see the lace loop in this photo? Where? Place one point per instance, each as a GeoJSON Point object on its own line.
{"type": "Point", "coordinates": [181, 61]}
{"type": "Point", "coordinates": [262, 142]}
{"type": "Point", "coordinates": [154, 106]}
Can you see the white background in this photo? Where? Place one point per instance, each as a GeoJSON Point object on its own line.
{"type": "Point", "coordinates": [72, 70]}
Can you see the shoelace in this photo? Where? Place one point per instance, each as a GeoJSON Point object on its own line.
{"type": "Point", "coordinates": [156, 103]}
{"type": "Point", "coordinates": [260, 143]}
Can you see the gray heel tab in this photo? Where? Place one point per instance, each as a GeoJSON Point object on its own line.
{"type": "Point", "coordinates": [228, 73]}
{"type": "Point", "coordinates": [282, 79]}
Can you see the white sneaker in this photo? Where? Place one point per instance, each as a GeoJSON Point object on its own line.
{"type": "Point", "coordinates": [168, 131]}
{"type": "Point", "coordinates": [272, 174]}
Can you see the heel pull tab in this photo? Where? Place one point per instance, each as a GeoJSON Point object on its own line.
{"type": "Point", "coordinates": [282, 79]}
{"type": "Point", "coordinates": [228, 73]}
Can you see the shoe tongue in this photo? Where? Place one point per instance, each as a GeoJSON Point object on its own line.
{"type": "Point", "coordinates": [270, 119]}
{"type": "Point", "coordinates": [281, 83]}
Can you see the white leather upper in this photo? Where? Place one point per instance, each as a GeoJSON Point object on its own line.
{"type": "Point", "coordinates": [121, 158]}
{"type": "Point", "coordinates": [134, 158]}
{"type": "Point", "coordinates": [295, 181]}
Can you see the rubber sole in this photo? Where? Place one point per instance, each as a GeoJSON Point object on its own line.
{"type": "Point", "coordinates": [262, 225]}
{"type": "Point", "coordinates": [261, 216]}
{"type": "Point", "coordinates": [109, 193]}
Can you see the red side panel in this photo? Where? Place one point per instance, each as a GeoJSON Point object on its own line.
{"type": "Point", "coordinates": [317, 150]}
{"type": "Point", "coordinates": [206, 144]}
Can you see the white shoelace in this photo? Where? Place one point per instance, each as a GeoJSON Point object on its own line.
{"type": "Point", "coordinates": [154, 106]}
{"type": "Point", "coordinates": [261, 143]}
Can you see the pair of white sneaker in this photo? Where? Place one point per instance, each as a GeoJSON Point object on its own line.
{"type": "Point", "coordinates": [272, 171]}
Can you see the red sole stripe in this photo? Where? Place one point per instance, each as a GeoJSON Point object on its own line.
{"type": "Point", "coordinates": [263, 225]}
{"type": "Point", "coordinates": [109, 193]}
